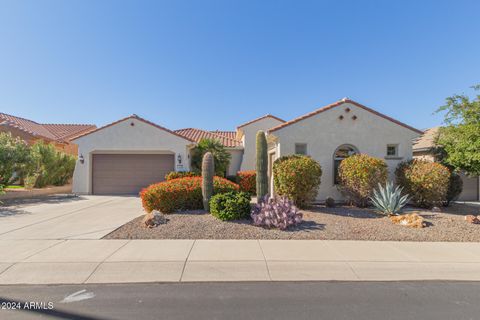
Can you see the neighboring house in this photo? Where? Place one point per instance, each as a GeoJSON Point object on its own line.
{"type": "Point", "coordinates": [60, 135]}
{"type": "Point", "coordinates": [131, 153]}
{"type": "Point", "coordinates": [423, 148]}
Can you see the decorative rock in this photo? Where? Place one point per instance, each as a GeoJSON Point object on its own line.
{"type": "Point", "coordinates": [154, 219]}
{"type": "Point", "coordinates": [329, 202]}
{"type": "Point", "coordinates": [472, 219]}
{"type": "Point", "coordinates": [412, 220]}
{"type": "Point", "coordinates": [436, 209]}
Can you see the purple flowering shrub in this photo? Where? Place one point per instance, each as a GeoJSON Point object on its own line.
{"type": "Point", "coordinates": [279, 212]}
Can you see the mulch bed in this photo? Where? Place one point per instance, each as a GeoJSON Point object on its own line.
{"type": "Point", "coordinates": [339, 223]}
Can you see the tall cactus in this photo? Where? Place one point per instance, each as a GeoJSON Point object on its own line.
{"type": "Point", "coordinates": [208, 170]}
{"type": "Point", "coordinates": [262, 165]}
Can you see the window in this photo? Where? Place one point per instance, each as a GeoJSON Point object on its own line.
{"type": "Point", "coordinates": [342, 152]}
{"type": "Point", "coordinates": [392, 150]}
{"type": "Point", "coordinates": [301, 148]}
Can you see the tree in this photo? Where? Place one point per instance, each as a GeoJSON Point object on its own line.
{"type": "Point", "coordinates": [460, 138]}
{"type": "Point", "coordinates": [221, 157]}
{"type": "Point", "coordinates": [14, 158]}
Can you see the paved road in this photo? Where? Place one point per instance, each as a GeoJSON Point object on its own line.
{"type": "Point", "coordinates": [291, 300]}
{"type": "Point", "coordinates": [83, 217]}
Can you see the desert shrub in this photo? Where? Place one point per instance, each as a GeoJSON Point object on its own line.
{"type": "Point", "coordinates": [51, 166]}
{"type": "Point", "coordinates": [297, 177]}
{"type": "Point", "coordinates": [425, 181]}
{"type": "Point", "coordinates": [329, 202]}
{"type": "Point", "coordinates": [181, 194]}
{"type": "Point", "coordinates": [389, 200]}
{"type": "Point", "coordinates": [358, 175]}
{"type": "Point", "coordinates": [181, 174]}
{"type": "Point", "coordinates": [247, 181]}
{"type": "Point", "coordinates": [230, 205]}
{"type": "Point", "coordinates": [455, 187]}
{"type": "Point", "coordinates": [277, 212]}
{"type": "Point", "coordinates": [14, 158]}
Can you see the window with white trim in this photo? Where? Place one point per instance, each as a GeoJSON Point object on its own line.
{"type": "Point", "coordinates": [392, 150]}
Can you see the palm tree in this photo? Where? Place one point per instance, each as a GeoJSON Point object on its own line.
{"type": "Point", "coordinates": [221, 157]}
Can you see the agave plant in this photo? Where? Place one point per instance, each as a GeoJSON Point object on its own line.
{"type": "Point", "coordinates": [389, 200]}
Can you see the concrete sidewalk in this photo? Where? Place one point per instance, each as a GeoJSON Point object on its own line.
{"type": "Point", "coordinates": [117, 261]}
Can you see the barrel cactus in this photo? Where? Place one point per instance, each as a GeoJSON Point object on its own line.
{"type": "Point", "coordinates": [208, 170]}
{"type": "Point", "coordinates": [262, 165]}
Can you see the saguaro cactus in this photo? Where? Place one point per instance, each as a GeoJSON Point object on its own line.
{"type": "Point", "coordinates": [208, 170]}
{"type": "Point", "coordinates": [261, 165]}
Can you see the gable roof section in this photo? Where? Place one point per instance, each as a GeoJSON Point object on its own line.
{"type": "Point", "coordinates": [258, 119]}
{"type": "Point", "coordinates": [426, 141]}
{"type": "Point", "coordinates": [52, 132]}
{"type": "Point", "coordinates": [133, 116]}
{"type": "Point", "coordinates": [336, 104]}
{"type": "Point", "coordinates": [199, 134]}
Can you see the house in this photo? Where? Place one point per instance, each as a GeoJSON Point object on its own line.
{"type": "Point", "coordinates": [336, 131]}
{"type": "Point", "coordinates": [60, 135]}
{"type": "Point", "coordinates": [424, 147]}
{"type": "Point", "coordinates": [131, 153]}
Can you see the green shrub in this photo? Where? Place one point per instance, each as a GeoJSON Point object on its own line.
{"type": "Point", "coordinates": [181, 174]}
{"type": "Point", "coordinates": [359, 175]}
{"type": "Point", "coordinates": [247, 181]}
{"type": "Point", "coordinates": [426, 182]}
{"type": "Point", "coordinates": [181, 194]}
{"type": "Point", "coordinates": [455, 187]}
{"type": "Point", "coordinates": [230, 206]}
{"type": "Point", "coordinates": [297, 177]}
{"type": "Point", "coordinates": [51, 166]}
{"type": "Point", "coordinates": [14, 157]}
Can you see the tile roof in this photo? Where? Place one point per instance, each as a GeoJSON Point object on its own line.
{"type": "Point", "coordinates": [199, 134]}
{"type": "Point", "coordinates": [228, 134]}
{"type": "Point", "coordinates": [258, 119]}
{"type": "Point", "coordinates": [133, 116]}
{"type": "Point", "coordinates": [54, 132]}
{"type": "Point", "coordinates": [336, 104]}
{"type": "Point", "coordinates": [427, 140]}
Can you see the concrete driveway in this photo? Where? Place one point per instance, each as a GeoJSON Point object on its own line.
{"type": "Point", "coordinates": [83, 217]}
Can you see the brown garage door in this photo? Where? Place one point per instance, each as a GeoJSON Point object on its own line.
{"type": "Point", "coordinates": [128, 173]}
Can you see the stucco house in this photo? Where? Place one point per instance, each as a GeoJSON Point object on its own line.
{"type": "Point", "coordinates": [131, 153]}
{"type": "Point", "coordinates": [59, 135]}
{"type": "Point", "coordinates": [423, 148]}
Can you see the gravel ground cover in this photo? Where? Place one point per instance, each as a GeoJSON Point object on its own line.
{"type": "Point", "coordinates": [339, 223]}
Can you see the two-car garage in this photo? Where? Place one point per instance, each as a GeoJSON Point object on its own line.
{"type": "Point", "coordinates": [127, 156]}
{"type": "Point", "coordinates": [128, 173]}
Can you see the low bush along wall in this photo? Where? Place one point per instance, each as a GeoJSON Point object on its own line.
{"type": "Point", "coordinates": [247, 181]}
{"type": "Point", "coordinates": [181, 194]}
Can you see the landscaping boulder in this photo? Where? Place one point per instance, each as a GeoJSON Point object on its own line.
{"type": "Point", "coordinates": [472, 219]}
{"type": "Point", "coordinates": [412, 220]}
{"type": "Point", "coordinates": [154, 219]}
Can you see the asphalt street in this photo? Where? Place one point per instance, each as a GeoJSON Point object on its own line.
{"type": "Point", "coordinates": [255, 300]}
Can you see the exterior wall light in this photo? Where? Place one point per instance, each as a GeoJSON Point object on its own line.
{"type": "Point", "coordinates": [179, 158]}
{"type": "Point", "coordinates": [81, 159]}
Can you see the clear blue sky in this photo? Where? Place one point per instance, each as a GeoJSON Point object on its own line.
{"type": "Point", "coordinates": [215, 64]}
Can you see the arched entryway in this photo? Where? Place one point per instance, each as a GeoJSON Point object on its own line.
{"type": "Point", "coordinates": [342, 152]}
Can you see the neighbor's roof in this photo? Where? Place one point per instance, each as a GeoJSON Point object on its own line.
{"type": "Point", "coordinates": [133, 116]}
{"type": "Point", "coordinates": [54, 132]}
{"type": "Point", "coordinates": [198, 134]}
{"type": "Point", "coordinates": [336, 104]}
{"type": "Point", "coordinates": [427, 140]}
{"type": "Point", "coordinates": [258, 119]}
